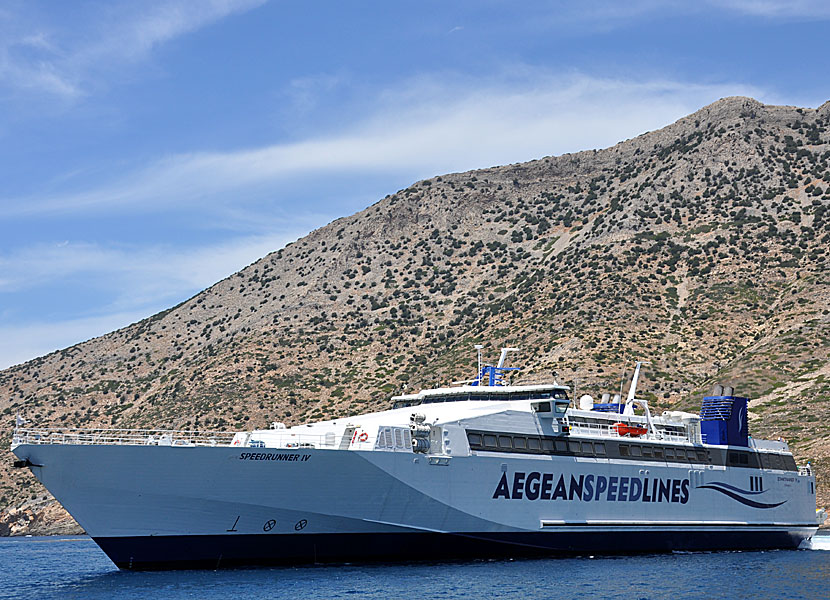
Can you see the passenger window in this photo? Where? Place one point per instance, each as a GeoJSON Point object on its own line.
{"type": "Point", "coordinates": [533, 443]}
{"type": "Point", "coordinates": [490, 441]}
{"type": "Point", "coordinates": [547, 444]}
{"type": "Point", "coordinates": [701, 456]}
{"type": "Point", "coordinates": [573, 447]}
{"type": "Point", "coordinates": [623, 450]}
{"type": "Point", "coordinates": [587, 448]}
{"type": "Point", "coordinates": [670, 454]}
{"type": "Point", "coordinates": [561, 446]}
{"type": "Point", "coordinates": [647, 451]}
{"type": "Point", "coordinates": [636, 451]}
{"type": "Point", "coordinates": [475, 439]}
{"type": "Point", "coordinates": [504, 441]}
{"type": "Point", "coordinates": [519, 443]}
{"type": "Point", "coordinates": [658, 453]}
{"type": "Point", "coordinates": [600, 448]}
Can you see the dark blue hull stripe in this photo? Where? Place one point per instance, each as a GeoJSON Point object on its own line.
{"type": "Point", "coordinates": [218, 551]}
{"type": "Point", "coordinates": [739, 498]}
{"type": "Point", "coordinates": [736, 489]}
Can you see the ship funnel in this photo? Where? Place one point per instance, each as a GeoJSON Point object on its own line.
{"type": "Point", "coordinates": [723, 419]}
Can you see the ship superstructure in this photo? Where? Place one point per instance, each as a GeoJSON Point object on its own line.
{"type": "Point", "coordinates": [481, 468]}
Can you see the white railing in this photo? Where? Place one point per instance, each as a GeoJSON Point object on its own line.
{"type": "Point", "coordinates": [265, 439]}
{"type": "Point", "coordinates": [287, 438]}
{"type": "Point", "coordinates": [608, 430]}
{"type": "Point", "coordinates": [120, 437]}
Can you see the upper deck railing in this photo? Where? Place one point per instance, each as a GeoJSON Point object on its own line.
{"type": "Point", "coordinates": [273, 439]}
{"type": "Point", "coordinates": [120, 437]}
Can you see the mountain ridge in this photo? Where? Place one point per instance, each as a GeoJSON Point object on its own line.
{"type": "Point", "coordinates": [701, 244]}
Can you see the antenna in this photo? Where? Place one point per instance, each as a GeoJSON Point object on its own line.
{"type": "Point", "coordinates": [503, 356]}
{"type": "Point", "coordinates": [478, 348]}
{"type": "Point", "coordinates": [632, 389]}
{"type": "Point", "coordinates": [622, 375]}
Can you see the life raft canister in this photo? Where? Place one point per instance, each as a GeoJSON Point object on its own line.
{"type": "Point", "coordinates": [629, 430]}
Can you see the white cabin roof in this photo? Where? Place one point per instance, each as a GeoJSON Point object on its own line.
{"type": "Point", "coordinates": [482, 389]}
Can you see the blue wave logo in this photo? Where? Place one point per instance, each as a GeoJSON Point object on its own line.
{"type": "Point", "coordinates": [738, 494]}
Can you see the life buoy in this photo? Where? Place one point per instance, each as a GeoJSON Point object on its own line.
{"type": "Point", "coordinates": [363, 437]}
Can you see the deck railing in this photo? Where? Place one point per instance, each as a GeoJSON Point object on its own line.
{"type": "Point", "coordinates": [270, 439]}
{"type": "Point", "coordinates": [120, 437]}
{"type": "Point", "coordinates": [607, 430]}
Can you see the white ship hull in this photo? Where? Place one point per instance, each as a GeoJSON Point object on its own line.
{"type": "Point", "coordinates": [173, 507]}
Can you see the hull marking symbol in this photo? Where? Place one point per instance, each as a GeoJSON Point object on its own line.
{"type": "Point", "coordinates": [233, 527]}
{"type": "Point", "coordinates": [300, 525]}
{"type": "Point", "coordinates": [269, 525]}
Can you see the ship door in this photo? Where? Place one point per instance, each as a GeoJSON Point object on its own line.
{"type": "Point", "coordinates": [346, 440]}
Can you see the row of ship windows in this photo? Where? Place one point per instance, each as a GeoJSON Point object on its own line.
{"type": "Point", "coordinates": [533, 444]}
{"type": "Point", "coordinates": [547, 445]}
{"type": "Point", "coordinates": [761, 460]}
{"type": "Point", "coordinates": [530, 444]}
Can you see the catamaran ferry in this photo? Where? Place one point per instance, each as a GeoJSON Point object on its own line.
{"type": "Point", "coordinates": [482, 468]}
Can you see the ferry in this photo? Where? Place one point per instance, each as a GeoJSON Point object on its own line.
{"type": "Point", "coordinates": [481, 468]}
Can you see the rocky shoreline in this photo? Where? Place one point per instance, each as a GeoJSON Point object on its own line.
{"type": "Point", "coordinates": [43, 517]}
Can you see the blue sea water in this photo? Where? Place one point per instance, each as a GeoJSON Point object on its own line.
{"type": "Point", "coordinates": [74, 567]}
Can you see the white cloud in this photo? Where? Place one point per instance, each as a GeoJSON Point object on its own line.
{"type": "Point", "coordinates": [777, 8]}
{"type": "Point", "coordinates": [143, 280]}
{"type": "Point", "coordinates": [428, 126]}
{"type": "Point", "coordinates": [37, 56]}
{"type": "Point", "coordinates": [140, 275]}
{"type": "Point", "coordinates": [133, 30]}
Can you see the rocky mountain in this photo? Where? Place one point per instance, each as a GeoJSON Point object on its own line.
{"type": "Point", "coordinates": [703, 247]}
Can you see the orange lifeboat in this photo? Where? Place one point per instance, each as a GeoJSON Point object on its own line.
{"type": "Point", "coordinates": [629, 429]}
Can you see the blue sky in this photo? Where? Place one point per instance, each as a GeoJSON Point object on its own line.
{"type": "Point", "coordinates": [149, 149]}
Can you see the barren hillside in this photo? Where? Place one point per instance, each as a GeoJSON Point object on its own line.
{"type": "Point", "coordinates": [702, 247]}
